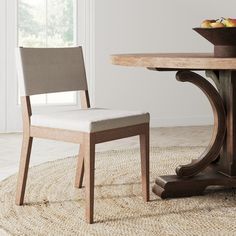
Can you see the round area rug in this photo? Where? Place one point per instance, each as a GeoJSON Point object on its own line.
{"type": "Point", "coordinates": [54, 207]}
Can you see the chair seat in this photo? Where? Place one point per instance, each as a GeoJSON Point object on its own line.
{"type": "Point", "coordinates": [89, 120]}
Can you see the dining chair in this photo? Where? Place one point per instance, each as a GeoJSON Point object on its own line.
{"type": "Point", "coordinates": [50, 70]}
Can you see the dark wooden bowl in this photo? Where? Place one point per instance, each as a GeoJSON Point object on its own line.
{"type": "Point", "coordinates": [223, 39]}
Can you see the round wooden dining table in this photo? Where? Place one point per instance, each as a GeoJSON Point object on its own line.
{"type": "Point", "coordinates": [217, 164]}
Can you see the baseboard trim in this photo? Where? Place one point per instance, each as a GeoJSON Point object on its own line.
{"type": "Point", "coordinates": [181, 121]}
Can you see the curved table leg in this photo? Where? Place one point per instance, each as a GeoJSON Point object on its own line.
{"type": "Point", "coordinates": [214, 75]}
{"type": "Point", "coordinates": [192, 179]}
{"type": "Point", "coordinates": [212, 151]}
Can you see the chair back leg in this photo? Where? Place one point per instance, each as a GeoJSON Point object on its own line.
{"type": "Point", "coordinates": [80, 168]}
{"type": "Point", "coordinates": [89, 160]}
{"type": "Point", "coordinates": [144, 149]}
{"type": "Point", "coordinates": [23, 170]}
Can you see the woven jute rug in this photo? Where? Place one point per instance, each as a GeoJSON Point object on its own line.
{"type": "Point", "coordinates": [54, 207]}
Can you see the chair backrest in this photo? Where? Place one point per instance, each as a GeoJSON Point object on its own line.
{"type": "Point", "coordinates": [49, 70]}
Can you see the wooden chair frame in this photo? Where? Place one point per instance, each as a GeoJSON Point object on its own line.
{"type": "Point", "coordinates": [86, 157]}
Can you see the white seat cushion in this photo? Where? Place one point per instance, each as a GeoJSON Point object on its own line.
{"type": "Point", "coordinates": [89, 120]}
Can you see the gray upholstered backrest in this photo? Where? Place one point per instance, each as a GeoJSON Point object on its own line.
{"type": "Point", "coordinates": [49, 70]}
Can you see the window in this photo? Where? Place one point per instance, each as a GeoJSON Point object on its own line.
{"type": "Point", "coordinates": [48, 23]}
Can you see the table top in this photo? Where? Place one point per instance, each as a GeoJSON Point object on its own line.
{"type": "Point", "coordinates": [172, 61]}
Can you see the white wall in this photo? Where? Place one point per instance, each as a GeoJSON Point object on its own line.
{"type": "Point", "coordinates": [133, 26]}
{"type": "Point", "coordinates": [2, 65]}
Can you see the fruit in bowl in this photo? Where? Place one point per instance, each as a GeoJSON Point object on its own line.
{"type": "Point", "coordinates": [207, 23]}
{"type": "Point", "coordinates": [219, 23]}
{"type": "Point", "coordinates": [229, 22]}
{"type": "Point", "coordinates": [222, 34]}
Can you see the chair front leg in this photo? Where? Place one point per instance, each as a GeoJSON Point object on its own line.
{"type": "Point", "coordinates": [144, 149]}
{"type": "Point", "coordinates": [80, 168]}
{"type": "Point", "coordinates": [23, 170]}
{"type": "Point", "coordinates": [89, 159]}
